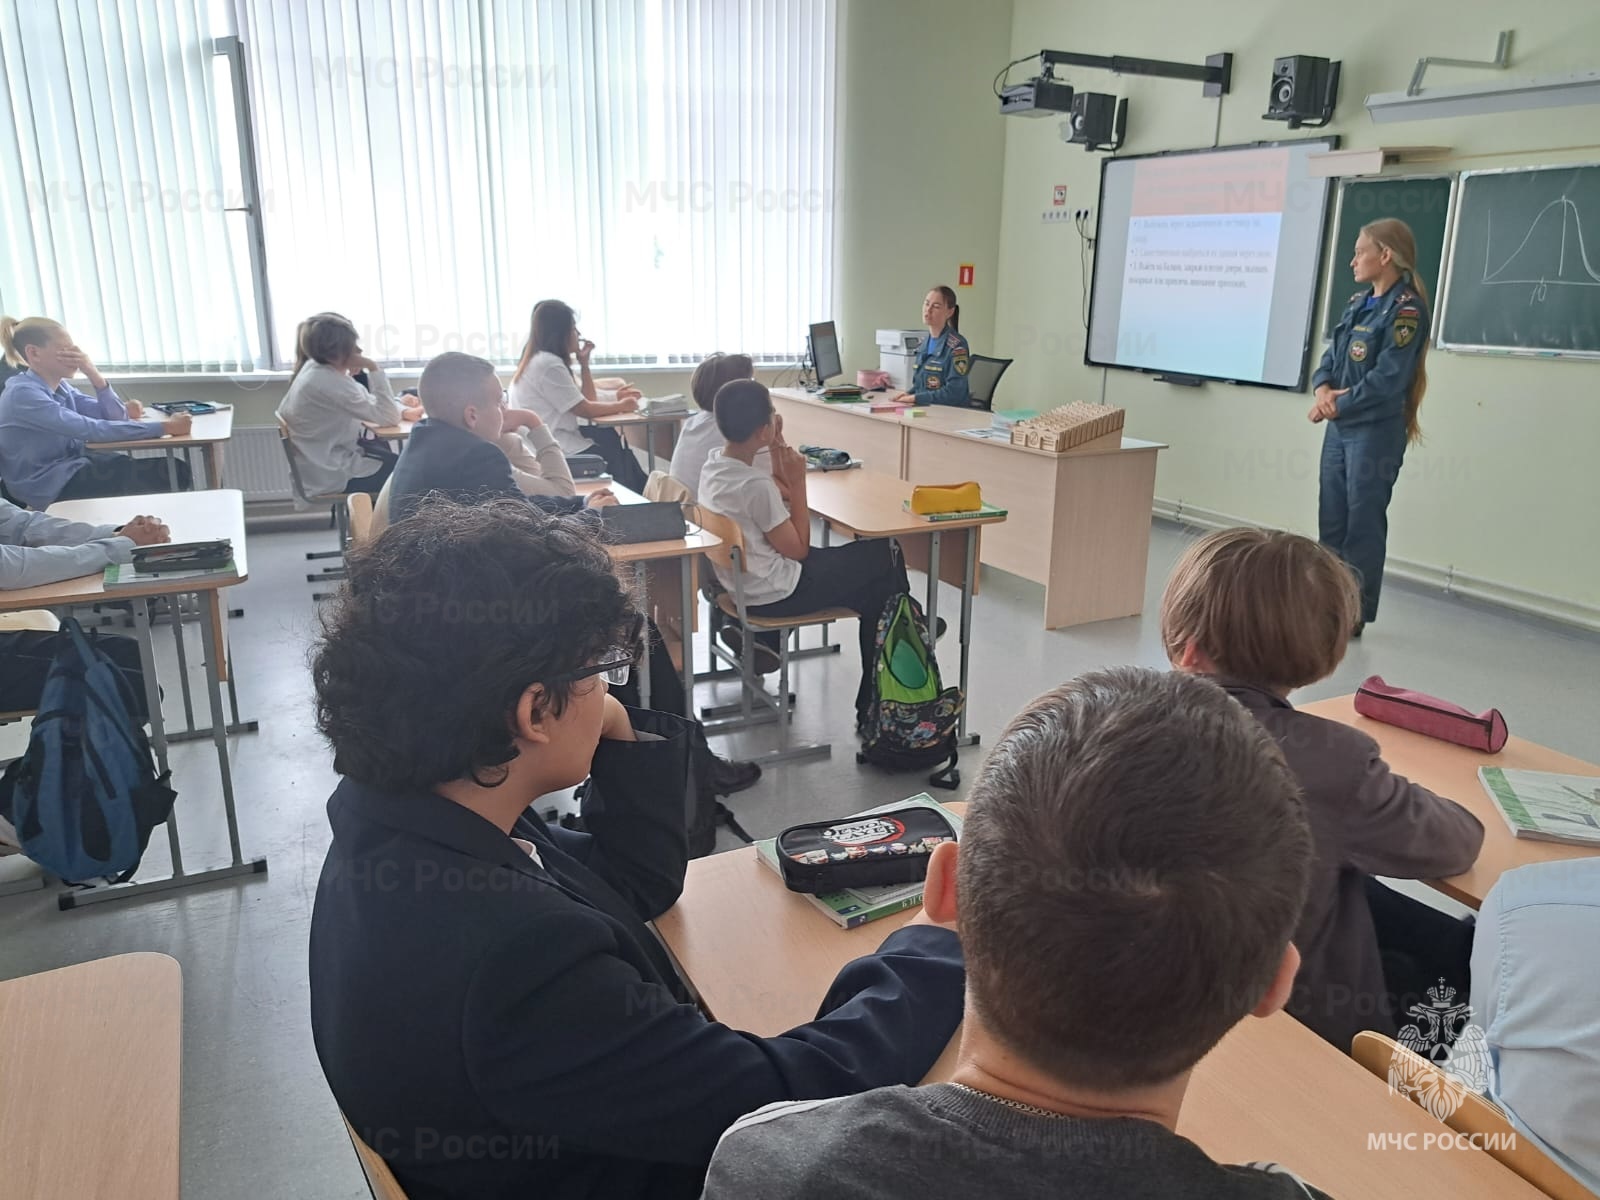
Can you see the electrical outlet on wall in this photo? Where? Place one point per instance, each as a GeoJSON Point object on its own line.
{"type": "Point", "coordinates": [1053, 216]}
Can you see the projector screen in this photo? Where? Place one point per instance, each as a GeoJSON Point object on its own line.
{"type": "Point", "coordinates": [1206, 263]}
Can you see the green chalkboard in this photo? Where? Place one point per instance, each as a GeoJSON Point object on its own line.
{"type": "Point", "coordinates": [1525, 262]}
{"type": "Point", "coordinates": [1422, 202]}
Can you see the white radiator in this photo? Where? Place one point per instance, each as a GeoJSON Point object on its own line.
{"type": "Point", "coordinates": [253, 462]}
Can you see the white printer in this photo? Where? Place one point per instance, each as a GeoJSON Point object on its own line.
{"type": "Point", "coordinates": [897, 354]}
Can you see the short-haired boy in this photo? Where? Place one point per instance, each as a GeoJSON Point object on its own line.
{"type": "Point", "coordinates": [1132, 867]}
{"type": "Point", "coordinates": [784, 575]}
{"type": "Point", "coordinates": [1263, 613]}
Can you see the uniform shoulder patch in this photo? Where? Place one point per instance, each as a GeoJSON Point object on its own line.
{"type": "Point", "coordinates": [960, 363]}
{"type": "Point", "coordinates": [1361, 295]}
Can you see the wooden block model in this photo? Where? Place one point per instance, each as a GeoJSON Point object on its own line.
{"type": "Point", "coordinates": [1069, 427]}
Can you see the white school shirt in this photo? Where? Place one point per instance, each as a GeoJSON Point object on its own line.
{"type": "Point", "coordinates": [751, 499]}
{"type": "Point", "coordinates": [326, 412]}
{"type": "Point", "coordinates": [548, 388]}
{"type": "Point", "coordinates": [698, 437]}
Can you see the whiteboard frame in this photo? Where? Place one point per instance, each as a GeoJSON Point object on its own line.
{"type": "Point", "coordinates": [1330, 318]}
{"type": "Point", "coordinates": [1458, 188]}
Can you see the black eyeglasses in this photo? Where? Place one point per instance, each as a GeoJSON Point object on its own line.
{"type": "Point", "coordinates": [614, 667]}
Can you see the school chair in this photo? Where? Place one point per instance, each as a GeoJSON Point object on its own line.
{"type": "Point", "coordinates": [662, 488]}
{"type": "Point", "coordinates": [1474, 1114]}
{"type": "Point", "coordinates": [983, 377]}
{"type": "Point", "coordinates": [358, 515]}
{"type": "Point", "coordinates": [380, 1179]}
{"type": "Point", "coordinates": [42, 621]}
{"type": "Point", "coordinates": [731, 606]}
{"type": "Point", "coordinates": [332, 499]}
{"type": "Point", "coordinates": [380, 509]}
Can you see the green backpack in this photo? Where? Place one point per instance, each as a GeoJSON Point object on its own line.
{"type": "Point", "coordinates": [911, 721]}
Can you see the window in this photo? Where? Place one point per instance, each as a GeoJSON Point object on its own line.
{"type": "Point", "coordinates": [431, 170]}
{"type": "Point", "coordinates": [112, 198]}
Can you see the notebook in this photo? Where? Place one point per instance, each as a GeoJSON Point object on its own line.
{"type": "Point", "coordinates": [1544, 806]}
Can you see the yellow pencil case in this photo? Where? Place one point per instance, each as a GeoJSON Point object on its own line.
{"type": "Point", "coordinates": [927, 498]}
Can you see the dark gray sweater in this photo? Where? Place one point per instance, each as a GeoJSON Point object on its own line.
{"type": "Point", "coordinates": [929, 1143]}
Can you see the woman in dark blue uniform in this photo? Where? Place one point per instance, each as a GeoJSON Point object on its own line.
{"type": "Point", "coordinates": [1369, 386]}
{"type": "Point", "coordinates": [944, 358]}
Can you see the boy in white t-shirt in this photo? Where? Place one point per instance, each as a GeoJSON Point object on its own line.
{"type": "Point", "coordinates": [784, 574]}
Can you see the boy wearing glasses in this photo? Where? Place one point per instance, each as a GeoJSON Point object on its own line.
{"type": "Point", "coordinates": [492, 1012]}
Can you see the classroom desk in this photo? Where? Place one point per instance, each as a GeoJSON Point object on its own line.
{"type": "Point", "coordinates": [761, 960]}
{"type": "Point", "coordinates": [192, 517]}
{"type": "Point", "coordinates": [1452, 771]}
{"type": "Point", "coordinates": [1081, 520]}
{"type": "Point", "coordinates": [648, 422]}
{"type": "Point", "coordinates": [681, 554]}
{"type": "Point", "coordinates": [869, 504]}
{"type": "Point", "coordinates": [89, 1080]}
{"type": "Point", "coordinates": [398, 432]}
{"type": "Point", "coordinates": [208, 431]}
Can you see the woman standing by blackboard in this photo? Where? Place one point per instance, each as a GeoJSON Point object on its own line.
{"type": "Point", "coordinates": [1369, 386]}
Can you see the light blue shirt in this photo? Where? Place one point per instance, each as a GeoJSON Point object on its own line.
{"type": "Point", "coordinates": [36, 548]}
{"type": "Point", "coordinates": [1536, 995]}
{"type": "Point", "coordinates": [42, 434]}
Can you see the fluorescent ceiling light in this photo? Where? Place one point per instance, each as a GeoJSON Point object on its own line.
{"type": "Point", "coordinates": [1476, 100]}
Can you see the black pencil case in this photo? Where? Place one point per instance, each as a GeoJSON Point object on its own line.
{"type": "Point", "coordinates": [586, 466]}
{"type": "Point", "coordinates": [865, 851]}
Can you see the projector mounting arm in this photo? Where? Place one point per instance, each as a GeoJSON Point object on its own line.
{"type": "Point", "coordinates": [1216, 74]}
{"type": "Point", "coordinates": [1502, 60]}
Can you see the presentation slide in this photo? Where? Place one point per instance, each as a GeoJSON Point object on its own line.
{"type": "Point", "coordinates": [1206, 263]}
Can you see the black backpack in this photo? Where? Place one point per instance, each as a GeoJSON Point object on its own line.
{"type": "Point", "coordinates": [910, 724]}
{"type": "Point", "coordinates": [85, 795]}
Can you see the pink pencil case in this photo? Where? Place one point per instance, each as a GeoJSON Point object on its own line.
{"type": "Point", "coordinates": [1431, 716]}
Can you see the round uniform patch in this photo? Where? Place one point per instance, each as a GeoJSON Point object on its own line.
{"type": "Point", "coordinates": [933, 380]}
{"type": "Point", "coordinates": [1358, 351]}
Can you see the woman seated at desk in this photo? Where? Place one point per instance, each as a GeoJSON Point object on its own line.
{"type": "Point", "coordinates": [944, 357]}
{"type": "Point", "coordinates": [46, 423]}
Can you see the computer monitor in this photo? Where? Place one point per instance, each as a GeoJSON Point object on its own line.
{"type": "Point", "coordinates": [824, 342]}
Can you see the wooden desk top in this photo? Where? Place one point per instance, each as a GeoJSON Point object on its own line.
{"type": "Point", "coordinates": [390, 433]}
{"type": "Point", "coordinates": [1453, 771]}
{"type": "Point", "coordinates": [192, 517]}
{"type": "Point", "coordinates": [871, 504]}
{"type": "Point", "coordinates": [762, 958]}
{"type": "Point", "coordinates": [852, 408]}
{"type": "Point", "coordinates": [203, 430]}
{"type": "Point", "coordinates": [646, 418]}
{"type": "Point", "coordinates": [90, 1057]}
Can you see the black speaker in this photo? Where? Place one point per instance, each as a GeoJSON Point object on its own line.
{"type": "Point", "coordinates": [1303, 91]}
{"type": "Point", "coordinates": [1097, 122]}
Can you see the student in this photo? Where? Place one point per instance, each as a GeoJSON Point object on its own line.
{"type": "Point", "coordinates": [1535, 976]}
{"type": "Point", "coordinates": [492, 1012]}
{"type": "Point", "coordinates": [543, 383]}
{"type": "Point", "coordinates": [699, 435]}
{"type": "Point", "coordinates": [784, 574]}
{"type": "Point", "coordinates": [1264, 613]}
{"type": "Point", "coordinates": [456, 450]}
{"type": "Point", "coordinates": [328, 412]}
{"type": "Point", "coordinates": [36, 549]}
{"type": "Point", "coordinates": [45, 423]}
{"type": "Point", "coordinates": [1133, 862]}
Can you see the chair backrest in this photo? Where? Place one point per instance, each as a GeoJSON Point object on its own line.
{"type": "Point", "coordinates": [359, 507]}
{"type": "Point", "coordinates": [287, 442]}
{"type": "Point", "coordinates": [725, 528]}
{"type": "Point", "coordinates": [663, 487]}
{"type": "Point", "coordinates": [380, 1179]}
{"type": "Point", "coordinates": [380, 508]}
{"type": "Point", "coordinates": [1474, 1115]}
{"type": "Point", "coordinates": [983, 376]}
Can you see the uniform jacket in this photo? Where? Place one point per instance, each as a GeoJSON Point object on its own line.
{"type": "Point", "coordinates": [941, 374]}
{"type": "Point", "coordinates": [43, 433]}
{"type": "Point", "coordinates": [444, 458]}
{"type": "Point", "coordinates": [1374, 353]}
{"type": "Point", "coordinates": [1365, 820]}
{"type": "Point", "coordinates": [501, 1027]}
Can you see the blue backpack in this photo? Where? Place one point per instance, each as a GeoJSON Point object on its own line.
{"type": "Point", "coordinates": [85, 795]}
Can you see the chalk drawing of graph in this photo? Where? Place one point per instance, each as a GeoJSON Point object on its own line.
{"type": "Point", "coordinates": [1541, 261]}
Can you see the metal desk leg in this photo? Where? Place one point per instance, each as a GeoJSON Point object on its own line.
{"type": "Point", "coordinates": [827, 539]}
{"type": "Point", "coordinates": [219, 730]}
{"type": "Point", "coordinates": [172, 469]}
{"type": "Point", "coordinates": [933, 584]}
{"type": "Point", "coordinates": [158, 724]}
{"type": "Point", "coordinates": [686, 576]}
{"type": "Point", "coordinates": [641, 578]}
{"type": "Point", "coordinates": [175, 607]}
{"type": "Point", "coordinates": [969, 583]}
{"type": "Point", "coordinates": [649, 444]}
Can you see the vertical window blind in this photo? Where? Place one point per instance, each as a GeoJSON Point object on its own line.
{"type": "Point", "coordinates": [432, 170]}
{"type": "Point", "coordinates": [112, 196]}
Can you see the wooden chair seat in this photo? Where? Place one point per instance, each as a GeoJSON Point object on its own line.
{"type": "Point", "coordinates": [380, 1179]}
{"type": "Point", "coordinates": [726, 603]}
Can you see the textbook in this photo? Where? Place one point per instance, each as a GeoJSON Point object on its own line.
{"type": "Point", "coordinates": [675, 403]}
{"type": "Point", "coordinates": [857, 906]}
{"type": "Point", "coordinates": [1544, 806]}
{"type": "Point", "coordinates": [985, 510]}
{"type": "Point", "coordinates": [121, 576]}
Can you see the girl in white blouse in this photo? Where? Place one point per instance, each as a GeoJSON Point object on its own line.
{"type": "Point", "coordinates": [544, 384]}
{"type": "Point", "coordinates": [328, 412]}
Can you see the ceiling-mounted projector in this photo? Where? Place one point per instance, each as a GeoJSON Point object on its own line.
{"type": "Point", "coordinates": [1039, 97]}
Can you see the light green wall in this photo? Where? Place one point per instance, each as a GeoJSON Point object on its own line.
{"type": "Point", "coordinates": [920, 158]}
{"type": "Point", "coordinates": [1506, 487]}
